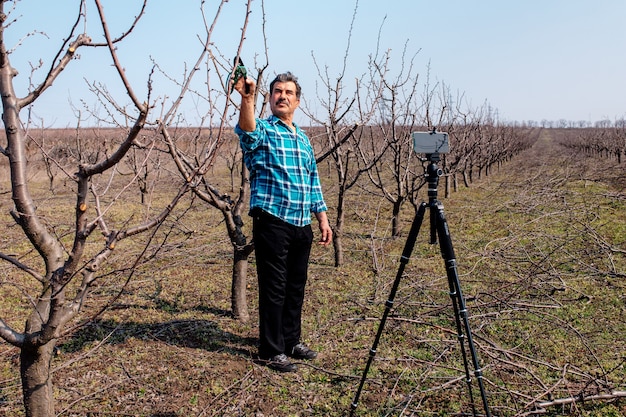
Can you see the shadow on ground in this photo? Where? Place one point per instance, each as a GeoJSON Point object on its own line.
{"type": "Point", "coordinates": [191, 333]}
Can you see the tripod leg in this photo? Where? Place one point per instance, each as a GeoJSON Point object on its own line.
{"type": "Point", "coordinates": [460, 309]}
{"type": "Point", "coordinates": [406, 254]}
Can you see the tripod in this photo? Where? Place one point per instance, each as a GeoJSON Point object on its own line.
{"type": "Point", "coordinates": [438, 228]}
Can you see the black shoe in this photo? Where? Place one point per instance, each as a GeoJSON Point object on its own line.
{"type": "Point", "coordinates": [302, 351]}
{"type": "Point", "coordinates": [280, 363]}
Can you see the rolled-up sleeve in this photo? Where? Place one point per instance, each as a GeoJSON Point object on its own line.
{"type": "Point", "coordinates": [317, 198]}
{"type": "Point", "coordinates": [249, 140]}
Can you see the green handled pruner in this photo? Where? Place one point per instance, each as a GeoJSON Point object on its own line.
{"type": "Point", "coordinates": [239, 72]}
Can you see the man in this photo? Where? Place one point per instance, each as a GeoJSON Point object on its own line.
{"type": "Point", "coordinates": [285, 190]}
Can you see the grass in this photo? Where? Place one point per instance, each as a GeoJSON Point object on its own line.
{"type": "Point", "coordinates": [540, 254]}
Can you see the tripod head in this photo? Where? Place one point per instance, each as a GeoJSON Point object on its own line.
{"type": "Point", "coordinates": [432, 174]}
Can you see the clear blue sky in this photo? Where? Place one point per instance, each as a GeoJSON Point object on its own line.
{"type": "Point", "coordinates": [529, 59]}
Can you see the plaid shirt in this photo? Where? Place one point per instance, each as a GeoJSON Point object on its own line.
{"type": "Point", "coordinates": [283, 173]}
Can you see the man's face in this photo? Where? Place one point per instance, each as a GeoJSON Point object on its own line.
{"type": "Point", "coordinates": [283, 100]}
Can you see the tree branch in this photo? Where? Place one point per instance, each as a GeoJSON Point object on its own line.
{"type": "Point", "coordinates": [142, 107]}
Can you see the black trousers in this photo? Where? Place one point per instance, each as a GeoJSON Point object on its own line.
{"type": "Point", "coordinates": [282, 258]}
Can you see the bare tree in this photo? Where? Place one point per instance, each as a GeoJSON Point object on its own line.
{"type": "Point", "coordinates": [199, 159]}
{"type": "Point", "coordinates": [398, 175]}
{"type": "Point", "coordinates": [66, 266]}
{"type": "Point", "coordinates": [353, 146]}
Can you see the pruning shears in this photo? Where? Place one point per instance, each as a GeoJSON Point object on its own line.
{"type": "Point", "coordinates": [238, 73]}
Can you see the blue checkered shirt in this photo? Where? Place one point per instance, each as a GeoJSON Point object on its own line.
{"type": "Point", "coordinates": [283, 174]}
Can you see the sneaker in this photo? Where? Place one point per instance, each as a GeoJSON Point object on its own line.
{"type": "Point", "coordinates": [302, 351]}
{"type": "Point", "coordinates": [281, 363]}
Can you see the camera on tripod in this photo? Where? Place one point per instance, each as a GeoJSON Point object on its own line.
{"type": "Point", "coordinates": [431, 142]}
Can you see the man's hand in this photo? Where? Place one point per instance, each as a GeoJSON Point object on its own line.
{"type": "Point", "coordinates": [327, 232]}
{"type": "Point", "coordinates": [244, 86]}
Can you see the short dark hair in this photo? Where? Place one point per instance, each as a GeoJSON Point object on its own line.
{"type": "Point", "coordinates": [284, 78]}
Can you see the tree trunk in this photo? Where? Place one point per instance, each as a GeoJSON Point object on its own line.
{"type": "Point", "coordinates": [338, 245]}
{"type": "Point", "coordinates": [338, 231]}
{"type": "Point", "coordinates": [36, 377]}
{"type": "Point", "coordinates": [395, 220]}
{"type": "Point", "coordinates": [239, 303]}
{"type": "Point", "coordinates": [241, 250]}
{"type": "Point", "coordinates": [465, 179]}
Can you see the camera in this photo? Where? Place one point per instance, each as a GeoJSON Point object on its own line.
{"type": "Point", "coordinates": [431, 142]}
